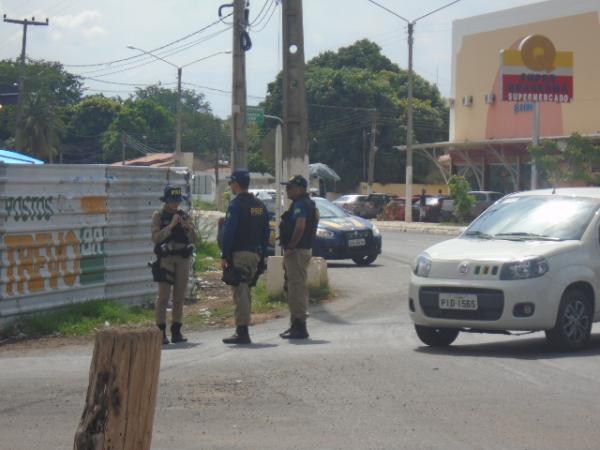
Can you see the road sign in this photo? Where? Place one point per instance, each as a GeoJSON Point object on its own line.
{"type": "Point", "coordinates": [536, 72]}
{"type": "Point", "coordinates": [255, 114]}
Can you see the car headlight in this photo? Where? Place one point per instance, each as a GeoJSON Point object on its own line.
{"type": "Point", "coordinates": [524, 269]}
{"type": "Point", "coordinates": [422, 266]}
{"type": "Point", "coordinates": [325, 233]}
{"type": "Point", "coordinates": [376, 231]}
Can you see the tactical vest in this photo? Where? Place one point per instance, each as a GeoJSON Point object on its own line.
{"type": "Point", "coordinates": [310, 229]}
{"type": "Point", "coordinates": [178, 234]}
{"type": "Point", "coordinates": [249, 232]}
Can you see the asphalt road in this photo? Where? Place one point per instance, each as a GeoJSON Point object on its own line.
{"type": "Point", "coordinates": [363, 381]}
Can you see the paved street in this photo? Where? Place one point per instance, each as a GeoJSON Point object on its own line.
{"type": "Point", "coordinates": [364, 381]}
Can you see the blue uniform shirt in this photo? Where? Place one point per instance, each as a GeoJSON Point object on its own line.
{"type": "Point", "coordinates": [232, 222]}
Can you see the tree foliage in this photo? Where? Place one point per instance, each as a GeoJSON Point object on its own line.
{"type": "Point", "coordinates": [346, 91]}
{"type": "Point", "coordinates": [578, 160]}
{"type": "Point", "coordinates": [463, 202]}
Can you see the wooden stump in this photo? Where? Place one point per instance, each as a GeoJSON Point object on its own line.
{"type": "Point", "coordinates": [121, 396]}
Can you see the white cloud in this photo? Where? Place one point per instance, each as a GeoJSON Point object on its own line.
{"type": "Point", "coordinates": [79, 20]}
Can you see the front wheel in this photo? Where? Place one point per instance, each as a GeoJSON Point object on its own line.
{"type": "Point", "coordinates": [574, 322]}
{"type": "Point", "coordinates": [364, 260]}
{"type": "Point", "coordinates": [436, 337]}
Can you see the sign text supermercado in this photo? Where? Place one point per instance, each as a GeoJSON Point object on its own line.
{"type": "Point", "coordinates": [536, 72]}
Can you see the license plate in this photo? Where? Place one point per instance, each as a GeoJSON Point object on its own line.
{"type": "Point", "coordinates": [458, 301]}
{"type": "Point", "coordinates": [357, 243]}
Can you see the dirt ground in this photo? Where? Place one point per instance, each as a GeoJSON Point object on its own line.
{"type": "Point", "coordinates": [211, 308]}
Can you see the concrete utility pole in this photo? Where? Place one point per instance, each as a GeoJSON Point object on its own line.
{"type": "Point", "coordinates": [25, 23]}
{"type": "Point", "coordinates": [295, 118]}
{"type": "Point", "coordinates": [372, 152]}
{"type": "Point", "coordinates": [178, 157]}
{"type": "Point", "coordinates": [409, 125]}
{"type": "Point", "coordinates": [239, 140]}
{"type": "Point", "coordinates": [364, 155]}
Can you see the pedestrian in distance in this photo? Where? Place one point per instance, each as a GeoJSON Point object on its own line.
{"type": "Point", "coordinates": [422, 204]}
{"type": "Point", "coordinates": [174, 235]}
{"type": "Point", "coordinates": [297, 232]}
{"type": "Point", "coordinates": [245, 240]}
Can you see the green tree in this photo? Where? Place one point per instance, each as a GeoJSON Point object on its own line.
{"type": "Point", "coordinates": [463, 202]}
{"type": "Point", "coordinates": [578, 161]}
{"type": "Point", "coordinates": [48, 91]}
{"type": "Point", "coordinates": [344, 89]}
{"type": "Point", "coordinates": [87, 122]}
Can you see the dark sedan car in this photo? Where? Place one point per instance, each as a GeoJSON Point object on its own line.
{"type": "Point", "coordinates": [343, 236]}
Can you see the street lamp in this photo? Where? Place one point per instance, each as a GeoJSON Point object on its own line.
{"type": "Point", "coordinates": [178, 155]}
{"type": "Point", "coordinates": [409, 126]}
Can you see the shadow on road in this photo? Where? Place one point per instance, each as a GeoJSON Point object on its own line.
{"type": "Point", "coordinates": [344, 265]}
{"type": "Point", "coordinates": [181, 346]}
{"type": "Point", "coordinates": [253, 346]}
{"type": "Point", "coordinates": [308, 342]}
{"type": "Point", "coordinates": [521, 348]}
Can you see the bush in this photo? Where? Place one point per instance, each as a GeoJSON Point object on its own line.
{"type": "Point", "coordinates": [463, 202]}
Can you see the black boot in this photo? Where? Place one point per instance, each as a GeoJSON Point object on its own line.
{"type": "Point", "coordinates": [240, 336]}
{"type": "Point", "coordinates": [163, 327]}
{"type": "Point", "coordinates": [176, 335]}
{"type": "Point", "coordinates": [296, 331]}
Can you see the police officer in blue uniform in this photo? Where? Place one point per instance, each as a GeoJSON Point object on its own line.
{"type": "Point", "coordinates": [297, 231]}
{"type": "Point", "coordinates": [245, 241]}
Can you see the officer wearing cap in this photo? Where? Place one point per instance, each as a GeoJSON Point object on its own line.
{"type": "Point", "coordinates": [173, 234]}
{"type": "Point", "coordinates": [297, 232]}
{"type": "Point", "coordinates": [245, 240]}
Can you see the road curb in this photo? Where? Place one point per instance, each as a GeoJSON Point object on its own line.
{"type": "Point", "coordinates": [424, 228]}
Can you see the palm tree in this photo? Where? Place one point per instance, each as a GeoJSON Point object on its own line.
{"type": "Point", "coordinates": [41, 126]}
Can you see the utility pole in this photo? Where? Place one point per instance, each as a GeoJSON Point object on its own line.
{"type": "Point", "coordinates": [178, 155]}
{"type": "Point", "coordinates": [25, 23]}
{"type": "Point", "coordinates": [295, 117]}
{"type": "Point", "coordinates": [123, 146]}
{"type": "Point", "coordinates": [372, 152]}
{"type": "Point", "coordinates": [239, 140]}
{"type": "Point", "coordinates": [364, 155]}
{"type": "Point", "coordinates": [409, 127]}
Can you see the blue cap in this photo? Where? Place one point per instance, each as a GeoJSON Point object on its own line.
{"type": "Point", "coordinates": [297, 180]}
{"type": "Point", "coordinates": [240, 176]}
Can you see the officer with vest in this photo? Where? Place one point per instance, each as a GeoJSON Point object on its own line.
{"type": "Point", "coordinates": [173, 234]}
{"type": "Point", "coordinates": [297, 232]}
{"type": "Point", "coordinates": [245, 241]}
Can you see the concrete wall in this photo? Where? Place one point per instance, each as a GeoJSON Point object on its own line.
{"type": "Point", "coordinates": [399, 188]}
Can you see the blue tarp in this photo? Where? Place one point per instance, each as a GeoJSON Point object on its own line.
{"type": "Point", "coordinates": [9, 157]}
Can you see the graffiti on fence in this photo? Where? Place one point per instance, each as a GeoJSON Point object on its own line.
{"type": "Point", "coordinates": [29, 208]}
{"type": "Point", "coordinates": [45, 261]}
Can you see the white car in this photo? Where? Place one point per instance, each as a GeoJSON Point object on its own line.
{"type": "Point", "coordinates": [530, 262]}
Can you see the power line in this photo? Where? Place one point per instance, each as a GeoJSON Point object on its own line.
{"type": "Point", "coordinates": [269, 19]}
{"type": "Point", "coordinates": [129, 58]}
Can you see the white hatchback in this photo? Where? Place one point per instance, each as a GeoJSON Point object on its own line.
{"type": "Point", "coordinates": [530, 262]}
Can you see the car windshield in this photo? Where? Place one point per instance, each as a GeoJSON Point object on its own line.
{"type": "Point", "coordinates": [328, 210]}
{"type": "Point", "coordinates": [535, 218]}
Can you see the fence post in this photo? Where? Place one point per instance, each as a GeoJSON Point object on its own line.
{"type": "Point", "coordinates": [121, 396]}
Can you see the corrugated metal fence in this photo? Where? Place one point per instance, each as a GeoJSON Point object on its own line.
{"type": "Point", "coordinates": [76, 233]}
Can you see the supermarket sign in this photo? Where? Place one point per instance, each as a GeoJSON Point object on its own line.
{"type": "Point", "coordinates": [536, 72]}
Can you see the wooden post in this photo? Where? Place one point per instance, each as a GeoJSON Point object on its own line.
{"type": "Point", "coordinates": [121, 396]}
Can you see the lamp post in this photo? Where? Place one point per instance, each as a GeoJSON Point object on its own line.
{"type": "Point", "coordinates": [178, 154]}
{"type": "Point", "coordinates": [409, 125]}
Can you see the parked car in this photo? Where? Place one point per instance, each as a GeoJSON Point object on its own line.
{"type": "Point", "coordinates": [341, 235]}
{"type": "Point", "coordinates": [358, 205]}
{"type": "Point", "coordinates": [531, 262]}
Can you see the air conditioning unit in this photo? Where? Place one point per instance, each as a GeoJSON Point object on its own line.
{"type": "Point", "coordinates": [467, 100]}
{"type": "Point", "coordinates": [490, 98]}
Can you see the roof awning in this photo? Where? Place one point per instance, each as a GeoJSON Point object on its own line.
{"type": "Point", "coordinates": [466, 145]}
{"type": "Point", "coordinates": [8, 157]}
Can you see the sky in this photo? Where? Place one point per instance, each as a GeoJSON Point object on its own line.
{"type": "Point", "coordinates": [85, 33]}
